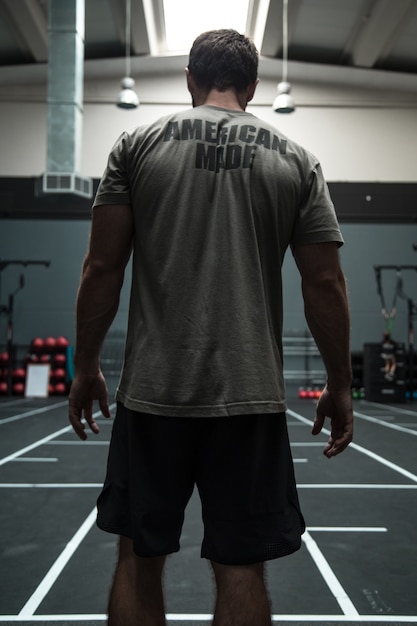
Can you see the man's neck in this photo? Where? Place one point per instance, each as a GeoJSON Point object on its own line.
{"type": "Point", "coordinates": [228, 99]}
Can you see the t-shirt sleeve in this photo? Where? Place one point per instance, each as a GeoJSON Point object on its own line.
{"type": "Point", "coordinates": [114, 184]}
{"type": "Point", "coordinates": [317, 221]}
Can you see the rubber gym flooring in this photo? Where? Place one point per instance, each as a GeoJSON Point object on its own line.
{"type": "Point", "coordinates": [357, 564]}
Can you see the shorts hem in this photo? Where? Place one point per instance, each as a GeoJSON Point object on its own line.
{"type": "Point", "coordinates": [113, 530]}
{"type": "Point", "coordinates": [291, 549]}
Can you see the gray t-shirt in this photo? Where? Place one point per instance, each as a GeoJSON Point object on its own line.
{"type": "Point", "coordinates": [217, 197]}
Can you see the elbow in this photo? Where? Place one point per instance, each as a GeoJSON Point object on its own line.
{"type": "Point", "coordinates": [97, 270]}
{"type": "Point", "coordinates": [326, 280]}
{"type": "Point", "coordinates": [101, 265]}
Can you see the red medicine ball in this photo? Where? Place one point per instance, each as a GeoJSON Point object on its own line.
{"type": "Point", "coordinates": [4, 357]}
{"type": "Point", "coordinates": [37, 344]}
{"type": "Point", "coordinates": [60, 388]}
{"type": "Point", "coordinates": [62, 342]}
{"type": "Point", "coordinates": [49, 343]}
{"type": "Point", "coordinates": [19, 389]}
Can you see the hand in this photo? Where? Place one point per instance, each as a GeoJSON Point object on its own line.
{"type": "Point", "coordinates": [84, 390]}
{"type": "Point", "coordinates": [338, 407]}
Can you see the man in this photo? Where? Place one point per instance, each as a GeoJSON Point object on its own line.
{"type": "Point", "coordinates": [209, 199]}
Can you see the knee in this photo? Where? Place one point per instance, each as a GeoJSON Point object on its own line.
{"type": "Point", "coordinates": [242, 577]}
{"type": "Point", "coordinates": [136, 566]}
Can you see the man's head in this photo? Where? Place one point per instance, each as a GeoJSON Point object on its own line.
{"type": "Point", "coordinates": [222, 60]}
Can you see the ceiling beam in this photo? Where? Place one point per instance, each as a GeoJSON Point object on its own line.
{"type": "Point", "coordinates": [30, 27]}
{"type": "Point", "coordinates": [118, 10]}
{"type": "Point", "coordinates": [379, 31]}
{"type": "Point", "coordinates": [139, 33]}
{"type": "Point", "coordinates": [139, 39]}
{"type": "Point", "coordinates": [272, 41]}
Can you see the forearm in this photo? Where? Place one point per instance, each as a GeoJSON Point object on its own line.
{"type": "Point", "coordinates": [327, 314]}
{"type": "Point", "coordinates": [97, 304]}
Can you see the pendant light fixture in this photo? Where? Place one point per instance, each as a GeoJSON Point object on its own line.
{"type": "Point", "coordinates": [127, 97]}
{"type": "Point", "coordinates": [284, 102]}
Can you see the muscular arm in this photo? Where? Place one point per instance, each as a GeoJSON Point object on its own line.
{"type": "Point", "coordinates": [327, 314]}
{"type": "Point", "coordinates": [97, 303]}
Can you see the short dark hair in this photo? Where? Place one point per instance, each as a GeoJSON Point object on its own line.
{"type": "Point", "coordinates": [222, 59]}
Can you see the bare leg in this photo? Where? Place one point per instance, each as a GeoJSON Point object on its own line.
{"type": "Point", "coordinates": [136, 596]}
{"type": "Point", "coordinates": [242, 597]}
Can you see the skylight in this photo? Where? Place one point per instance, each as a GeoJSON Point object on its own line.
{"type": "Point", "coordinates": [186, 19]}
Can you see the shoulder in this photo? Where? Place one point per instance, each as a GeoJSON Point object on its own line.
{"type": "Point", "coordinates": [294, 150]}
{"type": "Point", "coordinates": [161, 122]}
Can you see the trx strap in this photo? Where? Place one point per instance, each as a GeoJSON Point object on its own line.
{"type": "Point", "coordinates": [389, 317]}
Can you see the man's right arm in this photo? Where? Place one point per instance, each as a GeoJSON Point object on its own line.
{"type": "Point", "coordinates": [109, 250]}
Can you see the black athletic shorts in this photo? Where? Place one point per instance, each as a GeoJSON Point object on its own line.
{"type": "Point", "coordinates": [243, 469]}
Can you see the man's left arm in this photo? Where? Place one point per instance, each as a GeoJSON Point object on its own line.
{"type": "Point", "coordinates": [97, 304]}
{"type": "Point", "coordinates": [327, 314]}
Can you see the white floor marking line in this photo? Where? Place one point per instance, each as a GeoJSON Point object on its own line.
{"type": "Point", "coordinates": [306, 444]}
{"type": "Point", "coordinates": [21, 619]}
{"type": "Point", "coordinates": [89, 442]}
{"type": "Point", "coordinates": [347, 529]}
{"type": "Point", "coordinates": [353, 486]}
{"type": "Point", "coordinates": [300, 460]}
{"type": "Point", "coordinates": [379, 619]}
{"type": "Point", "coordinates": [383, 461]}
{"type": "Point", "coordinates": [50, 485]}
{"type": "Point", "coordinates": [33, 459]}
{"type": "Point", "coordinates": [187, 617]}
{"type": "Point", "coordinates": [393, 409]}
{"type": "Point", "coordinates": [20, 416]}
{"type": "Point", "coordinates": [372, 455]}
{"type": "Point", "coordinates": [32, 446]}
{"type": "Point", "coordinates": [46, 584]}
{"type": "Point", "coordinates": [205, 617]}
{"type": "Point", "coordinates": [380, 422]}
{"type": "Point", "coordinates": [299, 486]}
{"type": "Point", "coordinates": [12, 402]}
{"type": "Point", "coordinates": [328, 575]}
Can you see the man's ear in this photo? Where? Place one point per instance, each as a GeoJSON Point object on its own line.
{"type": "Point", "coordinates": [252, 89]}
{"type": "Point", "coordinates": [189, 79]}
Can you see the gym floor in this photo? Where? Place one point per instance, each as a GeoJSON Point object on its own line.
{"type": "Point", "coordinates": [357, 564]}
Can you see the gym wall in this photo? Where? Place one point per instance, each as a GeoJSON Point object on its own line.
{"type": "Point", "coordinates": [359, 135]}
